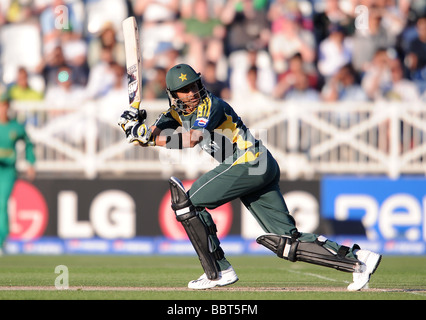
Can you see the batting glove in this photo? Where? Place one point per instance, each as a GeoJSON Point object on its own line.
{"type": "Point", "coordinates": [138, 133]}
{"type": "Point", "coordinates": [131, 115]}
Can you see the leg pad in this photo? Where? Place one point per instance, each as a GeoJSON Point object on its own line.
{"type": "Point", "coordinates": [289, 248]}
{"type": "Point", "coordinates": [198, 233]}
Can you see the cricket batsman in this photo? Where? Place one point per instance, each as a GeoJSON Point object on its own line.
{"type": "Point", "coordinates": [246, 170]}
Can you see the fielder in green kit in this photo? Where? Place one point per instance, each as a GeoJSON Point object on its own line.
{"type": "Point", "coordinates": [10, 132]}
{"type": "Point", "coordinates": [246, 170]}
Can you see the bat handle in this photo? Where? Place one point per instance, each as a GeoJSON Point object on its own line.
{"type": "Point", "coordinates": [141, 115]}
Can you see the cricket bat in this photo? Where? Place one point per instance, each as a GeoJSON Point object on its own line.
{"type": "Point", "coordinates": [133, 62]}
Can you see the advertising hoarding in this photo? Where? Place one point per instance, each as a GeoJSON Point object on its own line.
{"type": "Point", "coordinates": [134, 216]}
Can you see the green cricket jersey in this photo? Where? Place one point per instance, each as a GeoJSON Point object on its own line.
{"type": "Point", "coordinates": [224, 133]}
{"type": "Point", "coordinates": [10, 133]}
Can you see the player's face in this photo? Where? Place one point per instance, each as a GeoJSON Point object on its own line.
{"type": "Point", "coordinates": [4, 107]}
{"type": "Point", "coordinates": [190, 96]}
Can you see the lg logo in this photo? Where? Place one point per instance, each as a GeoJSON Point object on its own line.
{"type": "Point", "coordinates": [112, 214]}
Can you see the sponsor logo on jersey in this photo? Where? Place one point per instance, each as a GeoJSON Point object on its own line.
{"type": "Point", "coordinates": [201, 122]}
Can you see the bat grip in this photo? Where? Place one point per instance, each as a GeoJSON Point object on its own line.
{"type": "Point", "coordinates": [141, 115]}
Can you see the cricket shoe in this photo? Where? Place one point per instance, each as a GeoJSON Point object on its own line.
{"type": "Point", "coordinates": [226, 277]}
{"type": "Point", "coordinates": [370, 262]}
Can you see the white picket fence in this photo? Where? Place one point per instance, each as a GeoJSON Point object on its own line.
{"type": "Point", "coordinates": [308, 140]}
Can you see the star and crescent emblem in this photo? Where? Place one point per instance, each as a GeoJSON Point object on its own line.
{"type": "Point", "coordinates": [183, 77]}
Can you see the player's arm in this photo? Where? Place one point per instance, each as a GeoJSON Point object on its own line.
{"type": "Point", "coordinates": [192, 138]}
{"type": "Point", "coordinates": [162, 133]}
{"type": "Point", "coordinates": [29, 155]}
{"type": "Point", "coordinates": [172, 140]}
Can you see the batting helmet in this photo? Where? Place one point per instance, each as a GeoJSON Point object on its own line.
{"type": "Point", "coordinates": [179, 77]}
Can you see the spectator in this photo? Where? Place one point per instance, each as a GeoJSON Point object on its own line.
{"type": "Point", "coordinates": [50, 65]}
{"type": "Point", "coordinates": [332, 15]}
{"type": "Point", "coordinates": [61, 27]}
{"type": "Point", "coordinates": [101, 78]}
{"type": "Point", "coordinates": [289, 40]}
{"type": "Point", "coordinates": [16, 12]}
{"type": "Point", "coordinates": [120, 79]}
{"type": "Point", "coordinates": [204, 34]}
{"type": "Point", "coordinates": [156, 88]}
{"type": "Point", "coordinates": [400, 88]}
{"type": "Point", "coordinates": [296, 88]}
{"type": "Point", "coordinates": [3, 12]}
{"type": "Point", "coordinates": [343, 86]}
{"type": "Point", "coordinates": [251, 92]}
{"type": "Point", "coordinates": [296, 65]}
{"type": "Point", "coordinates": [75, 53]}
{"type": "Point", "coordinates": [156, 10]}
{"type": "Point", "coordinates": [377, 75]}
{"type": "Point", "coordinates": [247, 26]}
{"type": "Point", "coordinates": [300, 90]}
{"type": "Point", "coordinates": [213, 84]}
{"type": "Point", "coordinates": [393, 18]}
{"type": "Point", "coordinates": [411, 16]}
{"type": "Point", "coordinates": [416, 56]}
{"type": "Point", "coordinates": [367, 41]}
{"type": "Point", "coordinates": [116, 97]}
{"type": "Point", "coordinates": [269, 32]}
{"type": "Point", "coordinates": [21, 90]}
{"type": "Point", "coordinates": [385, 80]}
{"type": "Point", "coordinates": [168, 58]}
{"type": "Point", "coordinates": [239, 64]}
{"type": "Point", "coordinates": [59, 23]}
{"type": "Point", "coordinates": [159, 27]}
{"type": "Point", "coordinates": [280, 10]}
{"type": "Point", "coordinates": [334, 51]}
{"type": "Point", "coordinates": [107, 39]}
{"type": "Point", "coordinates": [65, 92]}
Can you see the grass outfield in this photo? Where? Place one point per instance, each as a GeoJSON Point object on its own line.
{"type": "Point", "coordinates": [165, 278]}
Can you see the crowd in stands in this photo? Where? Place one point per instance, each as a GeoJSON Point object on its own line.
{"type": "Point", "coordinates": [290, 50]}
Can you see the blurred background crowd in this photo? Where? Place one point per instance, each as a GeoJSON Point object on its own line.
{"type": "Point", "coordinates": [68, 51]}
